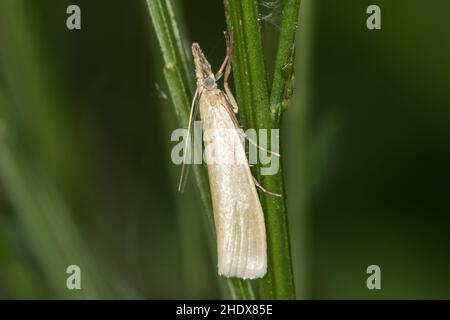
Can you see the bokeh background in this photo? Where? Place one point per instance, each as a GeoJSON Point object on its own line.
{"type": "Point", "coordinates": [86, 176]}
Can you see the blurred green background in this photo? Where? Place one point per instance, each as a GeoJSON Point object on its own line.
{"type": "Point", "coordinates": [86, 176]}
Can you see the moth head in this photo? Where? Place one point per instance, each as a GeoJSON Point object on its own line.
{"type": "Point", "coordinates": [209, 83]}
{"type": "Point", "coordinates": [205, 76]}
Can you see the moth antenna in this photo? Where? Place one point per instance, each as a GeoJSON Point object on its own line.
{"type": "Point", "coordinates": [188, 145]}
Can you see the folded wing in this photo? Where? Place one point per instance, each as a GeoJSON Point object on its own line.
{"type": "Point", "coordinates": [238, 215]}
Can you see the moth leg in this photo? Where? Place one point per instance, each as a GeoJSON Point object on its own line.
{"type": "Point", "coordinates": [254, 143]}
{"type": "Point", "coordinates": [265, 190]}
{"type": "Point", "coordinates": [225, 62]}
{"type": "Point", "coordinates": [239, 129]}
{"type": "Point", "coordinates": [229, 94]}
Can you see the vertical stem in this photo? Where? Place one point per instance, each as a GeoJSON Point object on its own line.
{"type": "Point", "coordinates": [285, 50]}
{"type": "Point", "coordinates": [252, 94]}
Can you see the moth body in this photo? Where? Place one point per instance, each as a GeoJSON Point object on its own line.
{"type": "Point", "coordinates": [238, 215]}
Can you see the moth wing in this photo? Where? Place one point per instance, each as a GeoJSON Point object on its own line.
{"type": "Point", "coordinates": [238, 215]}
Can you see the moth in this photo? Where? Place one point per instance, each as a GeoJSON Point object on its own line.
{"type": "Point", "coordinates": [238, 215]}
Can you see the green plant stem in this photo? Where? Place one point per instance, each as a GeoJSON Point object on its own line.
{"type": "Point", "coordinates": [176, 74]}
{"type": "Point", "coordinates": [285, 50]}
{"type": "Point", "coordinates": [176, 71]}
{"type": "Point", "coordinates": [253, 97]}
